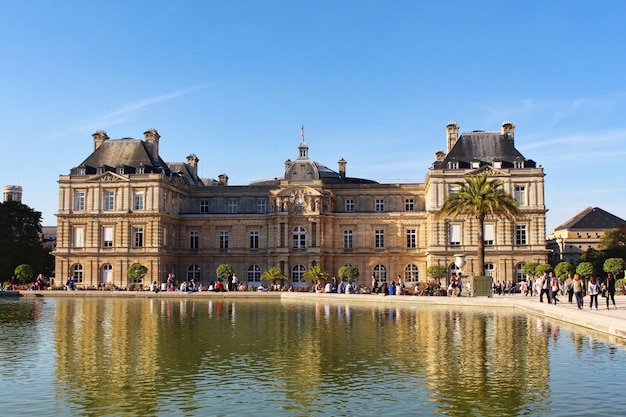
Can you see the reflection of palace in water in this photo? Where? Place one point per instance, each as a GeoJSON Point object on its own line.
{"type": "Point", "coordinates": [138, 351]}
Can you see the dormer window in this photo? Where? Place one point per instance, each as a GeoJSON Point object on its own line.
{"type": "Point", "coordinates": [453, 165]}
{"type": "Point", "coordinates": [81, 171]}
{"type": "Point", "coordinates": [497, 164]}
{"type": "Point", "coordinates": [518, 164]}
{"type": "Point", "coordinates": [120, 171]}
{"type": "Point", "coordinates": [475, 164]}
{"type": "Point", "coordinates": [141, 170]}
{"type": "Point", "coordinates": [100, 171]}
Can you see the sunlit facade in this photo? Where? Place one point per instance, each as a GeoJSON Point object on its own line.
{"type": "Point", "coordinates": [124, 205]}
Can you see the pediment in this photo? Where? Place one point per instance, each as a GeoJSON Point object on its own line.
{"type": "Point", "coordinates": [109, 176]}
{"type": "Point", "coordinates": [491, 171]}
{"type": "Point", "coordinates": [296, 190]}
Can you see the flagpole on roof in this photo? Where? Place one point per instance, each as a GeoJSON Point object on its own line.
{"type": "Point", "coordinates": [302, 132]}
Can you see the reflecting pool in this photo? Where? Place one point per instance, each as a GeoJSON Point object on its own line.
{"type": "Point", "coordinates": [160, 357]}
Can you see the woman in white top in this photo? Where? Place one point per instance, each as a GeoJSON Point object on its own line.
{"type": "Point", "coordinates": [594, 290]}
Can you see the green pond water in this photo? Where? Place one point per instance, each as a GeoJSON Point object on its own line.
{"type": "Point", "coordinates": [172, 357]}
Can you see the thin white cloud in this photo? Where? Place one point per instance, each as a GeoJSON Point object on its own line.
{"type": "Point", "coordinates": [118, 116]}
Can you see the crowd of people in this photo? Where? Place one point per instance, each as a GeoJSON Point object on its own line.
{"type": "Point", "coordinates": [549, 288]}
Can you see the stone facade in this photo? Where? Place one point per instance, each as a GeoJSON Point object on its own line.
{"type": "Point", "coordinates": [125, 205]}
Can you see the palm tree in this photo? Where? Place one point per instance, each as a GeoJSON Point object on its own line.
{"type": "Point", "coordinates": [315, 273]}
{"type": "Point", "coordinates": [479, 198]}
{"type": "Point", "coordinates": [272, 275]}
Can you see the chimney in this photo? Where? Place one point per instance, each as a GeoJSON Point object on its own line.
{"type": "Point", "coordinates": [152, 140]}
{"type": "Point", "coordinates": [287, 164]}
{"type": "Point", "coordinates": [342, 167]}
{"type": "Point", "coordinates": [222, 179]}
{"type": "Point", "coordinates": [452, 135]}
{"type": "Point", "coordinates": [98, 138]}
{"type": "Point", "coordinates": [508, 129]}
{"type": "Point", "coordinates": [192, 161]}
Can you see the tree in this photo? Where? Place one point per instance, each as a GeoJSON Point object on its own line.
{"type": "Point", "coordinates": [224, 272]}
{"type": "Point", "coordinates": [585, 269]}
{"type": "Point", "coordinates": [272, 275]}
{"type": "Point", "coordinates": [595, 257]}
{"type": "Point", "coordinates": [349, 273]}
{"type": "Point", "coordinates": [314, 274]}
{"type": "Point", "coordinates": [437, 272]}
{"type": "Point", "coordinates": [136, 272]}
{"type": "Point", "coordinates": [529, 269]}
{"type": "Point", "coordinates": [563, 269]}
{"type": "Point", "coordinates": [542, 269]}
{"type": "Point", "coordinates": [479, 198]}
{"type": "Point", "coordinates": [613, 238]}
{"type": "Point", "coordinates": [20, 241]}
{"type": "Point", "coordinates": [614, 266]}
{"type": "Point", "coordinates": [24, 273]}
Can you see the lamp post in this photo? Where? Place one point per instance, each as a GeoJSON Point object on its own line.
{"type": "Point", "coordinates": [561, 243]}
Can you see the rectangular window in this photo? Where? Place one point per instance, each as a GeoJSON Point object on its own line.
{"type": "Point", "coordinates": [79, 237]}
{"type": "Point", "coordinates": [409, 204]}
{"type": "Point", "coordinates": [79, 201]}
{"type": "Point", "coordinates": [141, 170]}
{"type": "Point", "coordinates": [254, 239]}
{"type": "Point", "coordinates": [520, 234]}
{"type": "Point", "coordinates": [137, 237]}
{"type": "Point", "coordinates": [380, 238]}
{"type": "Point", "coordinates": [455, 234]}
{"type": "Point", "coordinates": [223, 239]}
{"type": "Point", "coordinates": [488, 234]}
{"type": "Point", "coordinates": [261, 206]}
{"type": "Point", "coordinates": [349, 205]}
{"type": "Point", "coordinates": [379, 204]}
{"type": "Point", "coordinates": [138, 200]}
{"type": "Point", "coordinates": [453, 165]}
{"type": "Point", "coordinates": [520, 195]}
{"type": "Point", "coordinates": [204, 206]}
{"type": "Point", "coordinates": [109, 200]}
{"type": "Point", "coordinates": [164, 236]}
{"type": "Point", "coordinates": [120, 171]}
{"type": "Point", "coordinates": [411, 238]}
{"type": "Point", "coordinates": [453, 189]}
{"type": "Point", "coordinates": [232, 207]}
{"type": "Point", "coordinates": [347, 239]}
{"type": "Point", "coordinates": [194, 239]}
{"type": "Point", "coordinates": [107, 237]}
{"type": "Point", "coordinates": [518, 164]}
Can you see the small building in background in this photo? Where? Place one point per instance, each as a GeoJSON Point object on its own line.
{"type": "Point", "coordinates": [581, 232]}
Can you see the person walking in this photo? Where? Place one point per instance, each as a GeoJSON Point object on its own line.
{"type": "Point", "coordinates": [610, 290]}
{"type": "Point", "coordinates": [593, 290]}
{"type": "Point", "coordinates": [554, 282]}
{"type": "Point", "coordinates": [577, 287]}
{"type": "Point", "coordinates": [568, 288]}
{"type": "Point", "coordinates": [545, 287]}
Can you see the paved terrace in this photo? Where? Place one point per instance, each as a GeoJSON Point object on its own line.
{"type": "Point", "coordinates": [611, 322]}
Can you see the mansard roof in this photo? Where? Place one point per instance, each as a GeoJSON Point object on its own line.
{"type": "Point", "coordinates": [132, 154]}
{"type": "Point", "coordinates": [486, 148]}
{"type": "Point", "coordinates": [592, 218]}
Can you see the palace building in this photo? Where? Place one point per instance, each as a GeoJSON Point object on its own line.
{"type": "Point", "coordinates": [125, 205]}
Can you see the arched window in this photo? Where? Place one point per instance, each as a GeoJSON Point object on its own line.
{"type": "Point", "coordinates": [489, 269]}
{"type": "Point", "coordinates": [254, 273]}
{"type": "Point", "coordinates": [454, 270]}
{"type": "Point", "coordinates": [107, 274]}
{"type": "Point", "coordinates": [411, 273]}
{"type": "Point", "coordinates": [380, 273]}
{"type": "Point", "coordinates": [298, 238]}
{"type": "Point", "coordinates": [77, 273]}
{"type": "Point", "coordinates": [296, 273]}
{"type": "Point", "coordinates": [193, 272]}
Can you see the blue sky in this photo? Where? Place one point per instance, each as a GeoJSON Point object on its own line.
{"type": "Point", "coordinates": [373, 82]}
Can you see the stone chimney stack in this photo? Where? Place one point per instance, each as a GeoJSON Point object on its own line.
{"type": "Point", "coordinates": [98, 138]}
{"type": "Point", "coordinates": [508, 129]}
{"type": "Point", "coordinates": [152, 139]}
{"type": "Point", "coordinates": [193, 160]}
{"type": "Point", "coordinates": [342, 167]}
{"type": "Point", "coordinates": [452, 135]}
{"type": "Point", "coordinates": [222, 179]}
{"type": "Point", "coordinates": [287, 164]}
